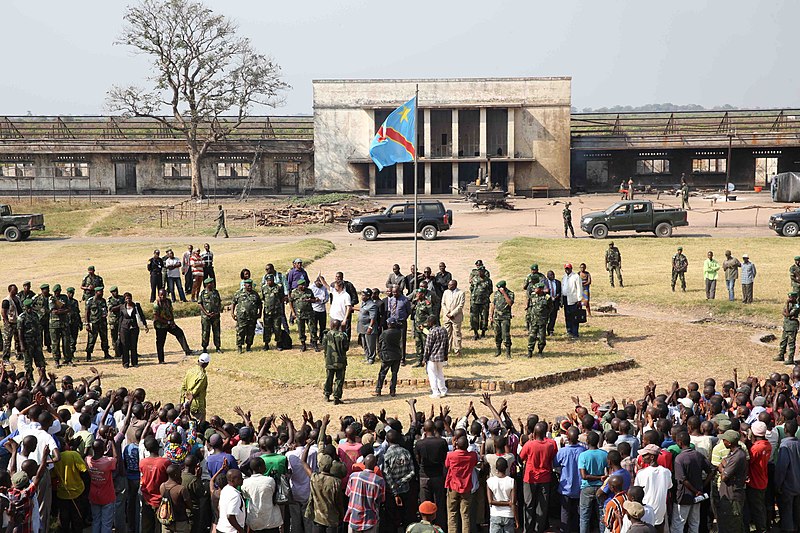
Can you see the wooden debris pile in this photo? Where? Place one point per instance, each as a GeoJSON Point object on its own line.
{"type": "Point", "coordinates": [295, 215]}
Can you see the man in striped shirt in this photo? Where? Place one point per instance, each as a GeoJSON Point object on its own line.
{"type": "Point", "coordinates": [435, 356]}
{"type": "Point", "coordinates": [366, 492]}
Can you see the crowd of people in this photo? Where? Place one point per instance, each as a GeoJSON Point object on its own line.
{"type": "Point", "coordinates": [75, 454]}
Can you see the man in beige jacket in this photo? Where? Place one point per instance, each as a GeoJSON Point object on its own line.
{"type": "Point", "coordinates": [453, 314]}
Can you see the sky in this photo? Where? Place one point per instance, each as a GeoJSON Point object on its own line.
{"type": "Point", "coordinates": [60, 58]}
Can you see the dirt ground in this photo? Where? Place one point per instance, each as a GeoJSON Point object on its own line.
{"type": "Point", "coordinates": [665, 344]}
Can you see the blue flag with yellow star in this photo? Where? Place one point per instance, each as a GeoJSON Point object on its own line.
{"type": "Point", "coordinates": [395, 140]}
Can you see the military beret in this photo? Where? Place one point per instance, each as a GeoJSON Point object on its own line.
{"type": "Point", "coordinates": [797, 258]}
{"type": "Point", "coordinates": [421, 289]}
{"type": "Point", "coordinates": [70, 289]}
{"type": "Point", "coordinates": [540, 285]}
{"type": "Point", "coordinates": [481, 267]}
{"type": "Point", "coordinates": [534, 266]}
{"type": "Point", "coordinates": [680, 248]}
{"type": "Point", "coordinates": [298, 260]}
{"type": "Point", "coordinates": [100, 288]}
{"type": "Point", "coordinates": [248, 282]}
{"type": "Point", "coordinates": [478, 262]}
{"type": "Point", "coordinates": [271, 276]}
{"type": "Point", "coordinates": [44, 286]}
{"type": "Point", "coordinates": [56, 287]}
{"type": "Point", "coordinates": [113, 288]}
{"type": "Point", "coordinates": [90, 268]}
{"type": "Point", "coordinates": [731, 436]}
{"type": "Point", "coordinates": [207, 281]}
{"type": "Point", "coordinates": [301, 281]}
{"type": "Point", "coordinates": [26, 283]}
{"type": "Point", "coordinates": [793, 294]}
{"type": "Point", "coordinates": [501, 284]}
{"type": "Point", "coordinates": [27, 302]}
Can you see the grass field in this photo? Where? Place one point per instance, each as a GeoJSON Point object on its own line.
{"type": "Point", "coordinates": [646, 270]}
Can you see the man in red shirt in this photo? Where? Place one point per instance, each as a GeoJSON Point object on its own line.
{"type": "Point", "coordinates": [101, 490]}
{"type": "Point", "coordinates": [458, 482]}
{"type": "Point", "coordinates": [153, 470]}
{"type": "Point", "coordinates": [538, 455]}
{"type": "Point", "coordinates": [760, 452]}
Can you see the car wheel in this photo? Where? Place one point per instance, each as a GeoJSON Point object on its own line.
{"type": "Point", "coordinates": [370, 233]}
{"type": "Point", "coordinates": [790, 229]}
{"type": "Point", "coordinates": [600, 231]}
{"type": "Point", "coordinates": [12, 234]}
{"type": "Point", "coordinates": [429, 233]}
{"type": "Point", "coordinates": [664, 230]}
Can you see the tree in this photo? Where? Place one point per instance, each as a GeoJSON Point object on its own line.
{"type": "Point", "coordinates": [202, 71]}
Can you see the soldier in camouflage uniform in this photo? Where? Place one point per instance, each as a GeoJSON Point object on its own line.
{"type": "Point", "coordinates": [502, 300]}
{"type": "Point", "coordinates": [474, 274]}
{"type": "Point", "coordinates": [273, 297]}
{"type": "Point", "coordinates": [210, 310]}
{"type": "Point", "coordinates": [300, 301]}
{"type": "Point", "coordinates": [529, 286]}
{"type": "Point", "coordinates": [538, 314]}
{"type": "Point", "coordinates": [96, 319]}
{"type": "Point", "coordinates": [794, 274]}
{"type": "Point", "coordinates": [480, 293]}
{"type": "Point", "coordinates": [42, 309]}
{"type": "Point", "coordinates": [30, 335]}
{"type": "Point", "coordinates": [679, 266]}
{"type": "Point", "coordinates": [614, 263]}
{"type": "Point", "coordinates": [422, 309]}
{"type": "Point", "coordinates": [58, 306]}
{"type": "Point", "coordinates": [90, 282]}
{"type": "Point", "coordinates": [791, 310]}
{"type": "Point", "coordinates": [566, 214]}
{"type": "Point", "coordinates": [164, 322]}
{"type": "Point", "coordinates": [26, 292]}
{"type": "Point", "coordinates": [75, 322]}
{"type": "Point", "coordinates": [335, 344]}
{"type": "Point", "coordinates": [246, 310]}
{"type": "Point", "coordinates": [115, 303]}
{"type": "Point", "coordinates": [12, 307]}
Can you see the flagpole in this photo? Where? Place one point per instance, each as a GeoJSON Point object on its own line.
{"type": "Point", "coordinates": [416, 185]}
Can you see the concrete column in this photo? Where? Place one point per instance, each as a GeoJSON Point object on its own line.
{"type": "Point", "coordinates": [482, 137]}
{"type": "Point", "coordinates": [510, 141]}
{"type": "Point", "coordinates": [400, 179]}
{"type": "Point", "coordinates": [455, 132]}
{"type": "Point", "coordinates": [426, 125]}
{"type": "Point", "coordinates": [373, 170]}
{"type": "Point", "coordinates": [427, 178]}
{"type": "Point", "coordinates": [512, 183]}
{"type": "Point", "coordinates": [454, 190]}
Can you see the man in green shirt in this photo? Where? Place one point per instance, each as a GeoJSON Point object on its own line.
{"type": "Point", "coordinates": [96, 320]}
{"type": "Point", "coordinates": [246, 310]}
{"type": "Point", "coordinates": [422, 309]}
{"type": "Point", "coordinates": [710, 271]}
{"type": "Point", "coordinates": [502, 300]}
{"type": "Point", "coordinates": [791, 310]}
{"type": "Point", "coordinates": [195, 386]}
{"type": "Point", "coordinates": [58, 305]}
{"type": "Point", "coordinates": [164, 322]}
{"type": "Point", "coordinates": [42, 309]}
{"type": "Point", "coordinates": [210, 310]}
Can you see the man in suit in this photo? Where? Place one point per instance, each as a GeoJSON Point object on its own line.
{"type": "Point", "coordinates": [553, 286]}
{"type": "Point", "coordinates": [453, 315]}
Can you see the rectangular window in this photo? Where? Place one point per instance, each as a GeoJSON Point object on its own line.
{"type": "Point", "coordinates": [72, 169]}
{"type": "Point", "coordinates": [652, 166]}
{"type": "Point", "coordinates": [16, 170]}
{"type": "Point", "coordinates": [176, 169]}
{"type": "Point", "coordinates": [710, 166]}
{"type": "Point", "coordinates": [233, 170]}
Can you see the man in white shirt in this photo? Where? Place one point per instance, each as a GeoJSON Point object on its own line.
{"type": "Point", "coordinates": [320, 290]}
{"type": "Point", "coordinates": [453, 314]}
{"type": "Point", "coordinates": [571, 288]}
{"type": "Point", "coordinates": [656, 482]}
{"type": "Point", "coordinates": [231, 505]}
{"type": "Point", "coordinates": [173, 266]}
{"type": "Point", "coordinates": [259, 489]}
{"type": "Point", "coordinates": [341, 305]}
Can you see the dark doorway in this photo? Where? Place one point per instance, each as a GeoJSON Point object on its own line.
{"type": "Point", "coordinates": [408, 179]}
{"type": "Point", "coordinates": [499, 175]}
{"type": "Point", "coordinates": [386, 180]}
{"type": "Point", "coordinates": [467, 173]}
{"type": "Point", "coordinates": [125, 177]}
{"type": "Point", "coordinates": [288, 178]}
{"type": "Point", "coordinates": [441, 178]}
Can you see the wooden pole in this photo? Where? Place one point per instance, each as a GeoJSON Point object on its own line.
{"type": "Point", "coordinates": [757, 208]}
{"type": "Point", "coordinates": [716, 219]}
{"type": "Point", "coordinates": [160, 218]}
{"type": "Point", "coordinates": [535, 217]}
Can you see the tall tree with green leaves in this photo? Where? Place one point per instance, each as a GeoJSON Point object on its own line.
{"type": "Point", "coordinates": [201, 71]}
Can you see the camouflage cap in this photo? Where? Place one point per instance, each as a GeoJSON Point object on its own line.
{"type": "Point", "coordinates": [44, 286]}
{"type": "Point", "coordinates": [248, 282]}
{"type": "Point", "coordinates": [797, 258]}
{"type": "Point", "coordinates": [26, 283]}
{"type": "Point", "coordinates": [680, 248]}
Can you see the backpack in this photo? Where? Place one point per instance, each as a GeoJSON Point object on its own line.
{"type": "Point", "coordinates": [285, 340]}
{"type": "Point", "coordinates": [165, 513]}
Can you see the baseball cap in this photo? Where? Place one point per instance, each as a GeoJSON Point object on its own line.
{"type": "Point", "coordinates": [568, 265]}
{"type": "Point", "coordinates": [731, 436]}
{"type": "Point", "coordinates": [759, 401]}
{"type": "Point", "coordinates": [650, 449]}
{"type": "Point", "coordinates": [20, 480]}
{"type": "Point", "coordinates": [427, 508]}
{"type": "Point", "coordinates": [687, 403]}
{"type": "Point", "coordinates": [745, 256]}
{"type": "Point", "coordinates": [759, 428]}
{"type": "Point", "coordinates": [204, 358]}
{"type": "Point", "coordinates": [634, 509]}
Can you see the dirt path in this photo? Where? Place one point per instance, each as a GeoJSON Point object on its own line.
{"type": "Point", "coordinates": [97, 217]}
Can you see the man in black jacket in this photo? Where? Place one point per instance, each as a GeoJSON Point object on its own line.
{"type": "Point", "coordinates": [553, 286]}
{"type": "Point", "coordinates": [155, 266]}
{"type": "Point", "coordinates": [390, 350]}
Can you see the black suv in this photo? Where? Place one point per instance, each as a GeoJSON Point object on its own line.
{"type": "Point", "coordinates": [399, 218]}
{"type": "Point", "coordinates": [786, 224]}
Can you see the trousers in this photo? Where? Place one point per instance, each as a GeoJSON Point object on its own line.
{"type": "Point", "coordinates": [675, 276]}
{"type": "Point", "coordinates": [321, 323]}
{"type": "Point", "coordinates": [537, 505]}
{"type": "Point", "coordinates": [306, 323]}
{"type": "Point", "coordinates": [615, 269]}
{"type": "Point", "coordinates": [458, 512]}
{"type": "Point", "coordinates": [156, 284]}
{"type": "Point", "coordinates": [711, 289]}
{"type": "Point", "coordinates": [370, 343]}
{"type": "Point", "coordinates": [431, 489]}
{"type": "Point", "coordinates": [453, 329]}
{"type": "Point", "coordinates": [502, 332]}
{"type": "Point", "coordinates": [551, 322]}
{"type": "Point", "coordinates": [419, 343]}
{"type": "Point", "coordinates": [788, 341]}
{"type": "Point", "coordinates": [479, 316]}
{"type": "Point", "coordinates": [129, 345]}
{"type": "Point", "coordinates": [537, 335]}
{"type": "Point", "coordinates": [298, 523]}
{"type": "Point", "coordinates": [172, 283]}
{"type": "Point", "coordinates": [10, 333]}
{"type": "Point", "coordinates": [59, 337]}
{"type": "Point", "coordinates": [747, 293]}
{"type": "Point", "coordinates": [245, 331]}
{"type": "Point", "coordinates": [731, 284]}
{"type": "Point", "coordinates": [210, 326]}
{"type": "Point", "coordinates": [683, 515]}
{"type": "Point", "coordinates": [272, 327]}
{"type": "Point", "coordinates": [334, 382]}
{"type": "Point", "coordinates": [97, 329]}
{"type": "Point", "coordinates": [161, 339]}
{"type": "Point", "coordinates": [435, 372]}
{"type": "Point", "coordinates": [386, 366]}
{"type": "Point", "coordinates": [569, 514]}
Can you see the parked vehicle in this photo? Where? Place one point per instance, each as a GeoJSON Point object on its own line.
{"type": "Point", "coordinates": [786, 224]}
{"type": "Point", "coordinates": [18, 227]}
{"type": "Point", "coordinates": [633, 215]}
{"type": "Point", "coordinates": [399, 218]}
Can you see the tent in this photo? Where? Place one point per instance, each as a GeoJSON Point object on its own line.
{"type": "Point", "coordinates": [786, 187]}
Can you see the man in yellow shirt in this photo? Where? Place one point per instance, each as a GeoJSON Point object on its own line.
{"type": "Point", "coordinates": [70, 487]}
{"type": "Point", "coordinates": [710, 272]}
{"type": "Point", "coordinates": [195, 386]}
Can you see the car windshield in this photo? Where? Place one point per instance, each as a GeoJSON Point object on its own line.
{"type": "Point", "coordinates": [612, 208]}
{"type": "Point", "coordinates": [395, 209]}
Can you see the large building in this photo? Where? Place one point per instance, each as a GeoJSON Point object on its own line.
{"type": "Point", "coordinates": [514, 129]}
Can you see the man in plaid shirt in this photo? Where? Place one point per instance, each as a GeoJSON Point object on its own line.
{"type": "Point", "coordinates": [366, 492]}
{"type": "Point", "coordinates": [435, 357]}
{"type": "Point", "coordinates": [398, 471]}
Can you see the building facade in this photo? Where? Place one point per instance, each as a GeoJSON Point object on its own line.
{"type": "Point", "coordinates": [117, 155]}
{"type": "Point", "coordinates": [516, 130]}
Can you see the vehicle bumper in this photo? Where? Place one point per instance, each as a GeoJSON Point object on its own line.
{"type": "Point", "coordinates": [37, 227]}
{"type": "Point", "coordinates": [773, 225]}
{"type": "Point", "coordinates": [354, 228]}
{"type": "Point", "coordinates": [585, 228]}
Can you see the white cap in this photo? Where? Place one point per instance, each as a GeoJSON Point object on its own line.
{"type": "Point", "coordinates": [745, 255]}
{"type": "Point", "coordinates": [687, 403]}
{"type": "Point", "coordinates": [204, 358]}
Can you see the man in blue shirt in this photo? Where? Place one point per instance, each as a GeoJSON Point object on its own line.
{"type": "Point", "coordinates": [569, 484]}
{"type": "Point", "coordinates": [592, 466]}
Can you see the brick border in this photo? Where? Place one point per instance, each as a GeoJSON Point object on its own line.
{"type": "Point", "coordinates": [517, 385]}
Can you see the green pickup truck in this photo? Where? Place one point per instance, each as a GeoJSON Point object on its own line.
{"type": "Point", "coordinates": [633, 215]}
{"type": "Point", "coordinates": [18, 227]}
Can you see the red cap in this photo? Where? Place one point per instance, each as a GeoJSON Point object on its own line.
{"type": "Point", "coordinates": [427, 508]}
{"type": "Point", "coordinates": [568, 265]}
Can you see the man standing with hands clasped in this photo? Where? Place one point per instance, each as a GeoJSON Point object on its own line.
{"type": "Point", "coordinates": [500, 314]}
{"type": "Point", "coordinates": [731, 267]}
{"type": "Point", "coordinates": [614, 263]}
{"type": "Point", "coordinates": [453, 314]}
{"type": "Point", "coordinates": [710, 273]}
{"type": "Point", "coordinates": [748, 276]}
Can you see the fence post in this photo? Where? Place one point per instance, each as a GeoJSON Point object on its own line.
{"type": "Point", "coordinates": [757, 208]}
{"type": "Point", "coordinates": [160, 218]}
{"type": "Point", "coordinates": [535, 217]}
{"type": "Point", "coordinates": [54, 187]}
{"type": "Point", "coordinates": [69, 194]}
{"type": "Point", "coordinates": [194, 220]}
{"type": "Point", "coordinates": [254, 219]}
{"type": "Point", "coordinates": [17, 180]}
{"type": "Point", "coordinates": [89, 181]}
{"type": "Point", "coordinates": [716, 219]}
